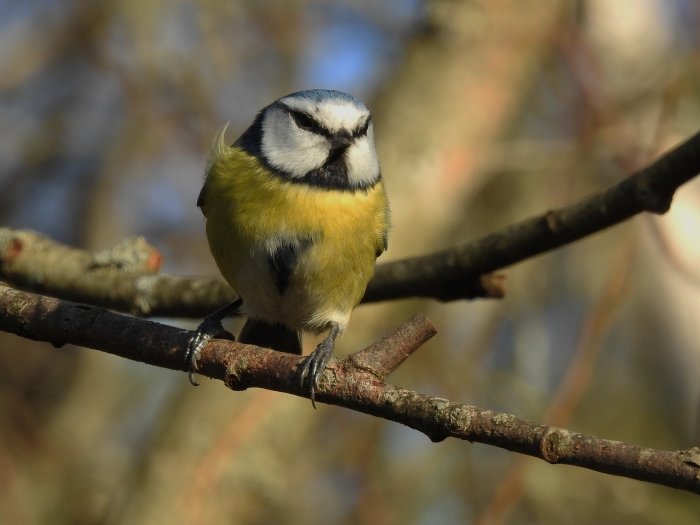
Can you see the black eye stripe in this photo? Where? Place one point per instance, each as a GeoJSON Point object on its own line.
{"type": "Point", "coordinates": [307, 122]}
{"type": "Point", "coordinates": [362, 131]}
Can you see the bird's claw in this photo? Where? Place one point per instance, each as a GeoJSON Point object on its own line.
{"type": "Point", "coordinates": [208, 329]}
{"type": "Point", "coordinates": [194, 348]}
{"type": "Point", "coordinates": [312, 368]}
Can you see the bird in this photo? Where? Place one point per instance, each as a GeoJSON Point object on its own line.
{"type": "Point", "coordinates": [296, 215]}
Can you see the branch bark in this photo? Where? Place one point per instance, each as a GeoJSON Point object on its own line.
{"type": "Point", "coordinates": [356, 382]}
{"type": "Point", "coordinates": [123, 278]}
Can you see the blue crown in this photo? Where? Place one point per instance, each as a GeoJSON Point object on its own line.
{"type": "Point", "coordinates": [322, 95]}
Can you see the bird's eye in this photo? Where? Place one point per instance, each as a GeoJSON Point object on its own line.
{"type": "Point", "coordinates": [304, 121]}
{"type": "Point", "coordinates": [362, 130]}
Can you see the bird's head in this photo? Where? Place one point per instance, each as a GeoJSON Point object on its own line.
{"type": "Point", "coordinates": [319, 137]}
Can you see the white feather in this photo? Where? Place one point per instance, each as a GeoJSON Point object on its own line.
{"type": "Point", "coordinates": [363, 165]}
{"type": "Point", "coordinates": [219, 149]}
{"type": "Point", "coordinates": [288, 148]}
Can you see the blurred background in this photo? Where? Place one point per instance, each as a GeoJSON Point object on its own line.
{"type": "Point", "coordinates": [486, 112]}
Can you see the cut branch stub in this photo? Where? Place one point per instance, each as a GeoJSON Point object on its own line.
{"type": "Point", "coordinates": [387, 354]}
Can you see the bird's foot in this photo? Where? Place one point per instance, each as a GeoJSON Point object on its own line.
{"type": "Point", "coordinates": [312, 367]}
{"type": "Point", "coordinates": [210, 328]}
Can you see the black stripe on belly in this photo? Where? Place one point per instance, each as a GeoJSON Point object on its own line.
{"type": "Point", "coordinates": [283, 261]}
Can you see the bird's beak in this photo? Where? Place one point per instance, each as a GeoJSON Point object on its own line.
{"type": "Point", "coordinates": [341, 140]}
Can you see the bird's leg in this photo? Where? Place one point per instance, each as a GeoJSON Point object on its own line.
{"type": "Point", "coordinates": [208, 329]}
{"type": "Point", "coordinates": [315, 363]}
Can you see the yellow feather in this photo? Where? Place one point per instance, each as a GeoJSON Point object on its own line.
{"type": "Point", "coordinates": [247, 208]}
{"type": "Point", "coordinates": [219, 149]}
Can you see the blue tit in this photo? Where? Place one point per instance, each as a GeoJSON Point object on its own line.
{"type": "Point", "coordinates": [296, 215]}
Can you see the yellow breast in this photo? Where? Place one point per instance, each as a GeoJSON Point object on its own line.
{"type": "Point", "coordinates": [248, 209]}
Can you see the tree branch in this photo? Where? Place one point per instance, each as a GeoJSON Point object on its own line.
{"type": "Point", "coordinates": [355, 382]}
{"type": "Point", "coordinates": [454, 273]}
{"type": "Point", "coordinates": [35, 263]}
{"type": "Point", "coordinates": [122, 278]}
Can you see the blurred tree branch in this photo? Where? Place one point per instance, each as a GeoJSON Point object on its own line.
{"type": "Point", "coordinates": [464, 271]}
{"type": "Point", "coordinates": [446, 274]}
{"type": "Point", "coordinates": [122, 278]}
{"type": "Point", "coordinates": [356, 382]}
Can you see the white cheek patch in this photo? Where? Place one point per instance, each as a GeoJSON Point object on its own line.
{"type": "Point", "coordinates": [290, 149]}
{"type": "Point", "coordinates": [361, 158]}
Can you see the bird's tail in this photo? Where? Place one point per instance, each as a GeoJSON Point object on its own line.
{"type": "Point", "coordinates": [276, 336]}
